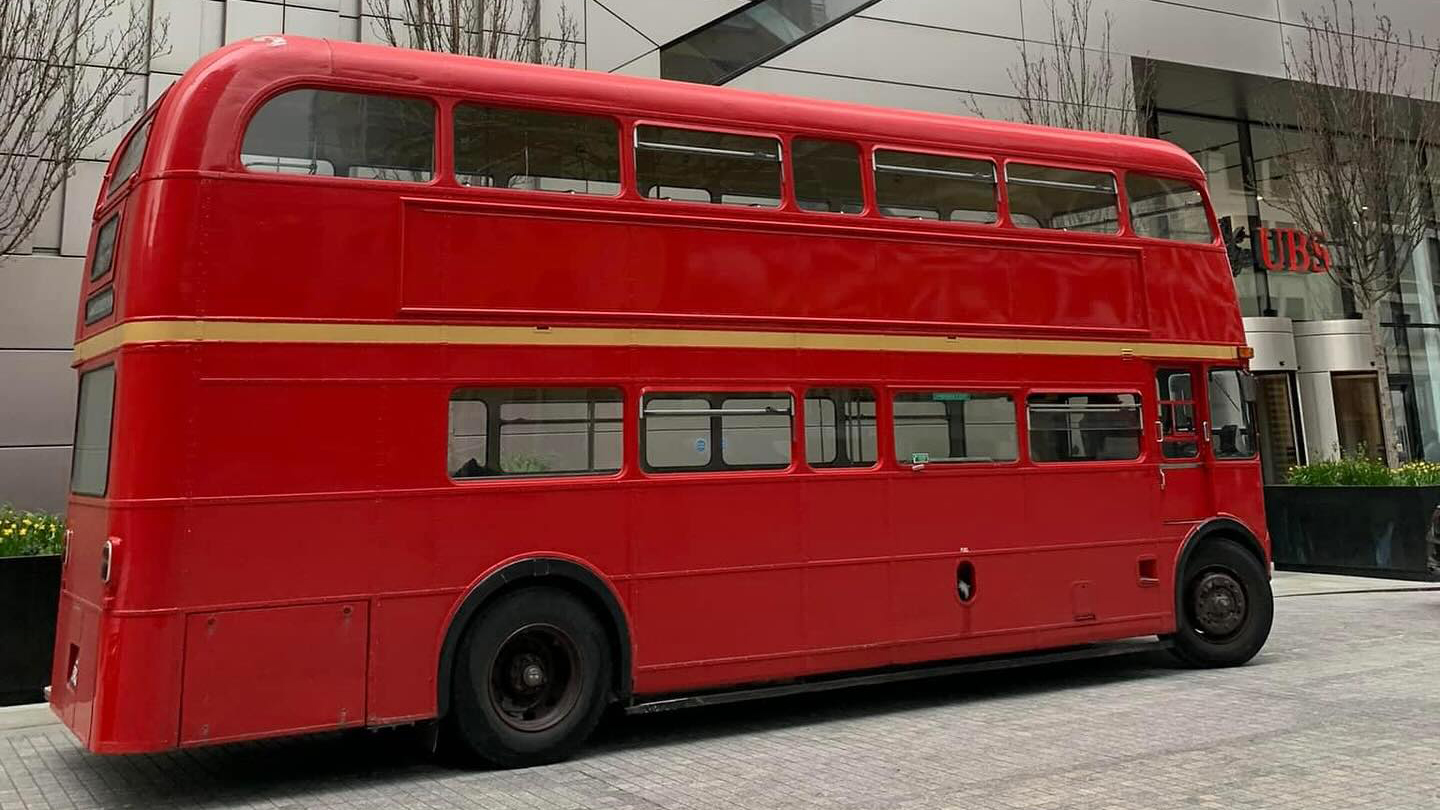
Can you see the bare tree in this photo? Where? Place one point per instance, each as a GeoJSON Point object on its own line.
{"type": "Point", "coordinates": [67, 71]}
{"type": "Point", "coordinates": [496, 29]}
{"type": "Point", "coordinates": [1353, 165]}
{"type": "Point", "coordinates": [1076, 82]}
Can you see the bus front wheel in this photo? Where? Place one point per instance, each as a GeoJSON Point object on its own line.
{"type": "Point", "coordinates": [1225, 606]}
{"type": "Point", "coordinates": [531, 678]}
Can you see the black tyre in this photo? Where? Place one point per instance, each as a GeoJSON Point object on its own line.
{"type": "Point", "coordinates": [1225, 607]}
{"type": "Point", "coordinates": [532, 677]}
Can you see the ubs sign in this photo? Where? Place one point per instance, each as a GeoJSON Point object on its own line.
{"type": "Point", "coordinates": [1278, 250]}
{"type": "Point", "coordinates": [1291, 250]}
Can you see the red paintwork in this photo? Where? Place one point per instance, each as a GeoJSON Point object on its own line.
{"type": "Point", "coordinates": [270, 486]}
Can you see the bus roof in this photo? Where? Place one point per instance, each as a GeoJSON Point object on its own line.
{"type": "Point", "coordinates": [224, 88]}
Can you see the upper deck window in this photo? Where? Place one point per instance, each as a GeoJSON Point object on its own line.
{"type": "Point", "coordinates": [540, 151]}
{"type": "Point", "coordinates": [1163, 208]}
{"type": "Point", "coordinates": [1062, 199]}
{"type": "Point", "coordinates": [913, 185]}
{"type": "Point", "coordinates": [716, 167]}
{"type": "Point", "coordinates": [827, 176]}
{"type": "Point", "coordinates": [129, 161]}
{"type": "Point", "coordinates": [323, 132]}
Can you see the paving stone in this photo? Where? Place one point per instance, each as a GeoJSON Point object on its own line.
{"type": "Point", "coordinates": [1339, 711]}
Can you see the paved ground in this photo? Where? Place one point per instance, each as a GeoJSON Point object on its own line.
{"type": "Point", "coordinates": [1341, 710]}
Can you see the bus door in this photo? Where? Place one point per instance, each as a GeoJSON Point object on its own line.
{"type": "Point", "coordinates": [1184, 475]}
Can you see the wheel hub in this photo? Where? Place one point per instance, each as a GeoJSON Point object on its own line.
{"type": "Point", "coordinates": [535, 678]}
{"type": "Point", "coordinates": [1219, 604]}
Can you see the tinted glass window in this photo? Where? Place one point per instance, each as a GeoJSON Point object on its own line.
{"type": "Point", "coordinates": [1167, 209]}
{"type": "Point", "coordinates": [954, 427]}
{"type": "Point", "coordinates": [129, 161]}
{"type": "Point", "coordinates": [104, 248]}
{"type": "Point", "coordinates": [840, 427]}
{"type": "Point", "coordinates": [684, 164]}
{"type": "Point", "coordinates": [90, 462]}
{"type": "Point", "coordinates": [540, 151]}
{"type": "Point", "coordinates": [717, 431]}
{"type": "Point", "coordinates": [534, 431]}
{"type": "Point", "coordinates": [912, 185]}
{"type": "Point", "coordinates": [1061, 199]}
{"type": "Point", "coordinates": [322, 132]}
{"type": "Point", "coordinates": [1232, 413]}
{"type": "Point", "coordinates": [827, 176]}
{"type": "Point", "coordinates": [1084, 427]}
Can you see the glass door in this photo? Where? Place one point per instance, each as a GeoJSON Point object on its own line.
{"type": "Point", "coordinates": [1357, 414]}
{"type": "Point", "coordinates": [1280, 447]}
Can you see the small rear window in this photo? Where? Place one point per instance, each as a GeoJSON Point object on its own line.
{"type": "Point", "coordinates": [129, 161]}
{"type": "Point", "coordinates": [104, 248]}
{"type": "Point", "coordinates": [322, 132]}
{"type": "Point", "coordinates": [90, 464]}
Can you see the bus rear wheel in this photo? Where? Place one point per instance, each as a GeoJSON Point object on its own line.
{"type": "Point", "coordinates": [1225, 607]}
{"type": "Point", "coordinates": [531, 679]}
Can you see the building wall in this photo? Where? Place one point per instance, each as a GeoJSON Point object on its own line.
{"type": "Point", "coordinates": [940, 55]}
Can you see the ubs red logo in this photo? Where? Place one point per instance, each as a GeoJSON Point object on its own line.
{"type": "Point", "coordinates": [1292, 250]}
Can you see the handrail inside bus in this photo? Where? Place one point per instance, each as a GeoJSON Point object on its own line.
{"type": "Point", "coordinates": [718, 412]}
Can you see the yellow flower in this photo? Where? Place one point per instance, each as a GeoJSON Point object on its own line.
{"type": "Point", "coordinates": [8, 531]}
{"type": "Point", "coordinates": [22, 532]}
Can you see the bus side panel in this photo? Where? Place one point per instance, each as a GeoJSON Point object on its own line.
{"type": "Point", "coordinates": [405, 637]}
{"type": "Point", "coordinates": [269, 671]}
{"type": "Point", "coordinates": [137, 703]}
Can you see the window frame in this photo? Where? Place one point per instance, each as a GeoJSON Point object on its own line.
{"type": "Point", "coordinates": [872, 190]}
{"type": "Point", "coordinates": [115, 217]}
{"type": "Point", "coordinates": [1122, 211]}
{"type": "Point", "coordinates": [519, 478]}
{"type": "Point", "coordinates": [802, 426]}
{"type": "Point", "coordinates": [791, 192]}
{"type": "Point", "coordinates": [109, 190]}
{"type": "Point", "coordinates": [630, 178]}
{"type": "Point", "coordinates": [1250, 411]}
{"type": "Point", "coordinates": [716, 466]}
{"type": "Point", "coordinates": [114, 366]}
{"type": "Point", "coordinates": [441, 162]}
{"type": "Point", "coordinates": [448, 152]}
{"type": "Point", "coordinates": [889, 449]}
{"type": "Point", "coordinates": [1142, 457]}
{"type": "Point", "coordinates": [1176, 436]}
{"type": "Point", "coordinates": [1199, 185]}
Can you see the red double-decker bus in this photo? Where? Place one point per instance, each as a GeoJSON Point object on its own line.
{"type": "Point", "coordinates": [420, 387]}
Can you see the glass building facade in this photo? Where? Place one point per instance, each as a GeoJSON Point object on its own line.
{"type": "Point", "coordinates": [1240, 160]}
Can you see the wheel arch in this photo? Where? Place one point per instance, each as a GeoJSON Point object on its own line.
{"type": "Point", "coordinates": [1220, 528]}
{"type": "Point", "coordinates": [568, 575]}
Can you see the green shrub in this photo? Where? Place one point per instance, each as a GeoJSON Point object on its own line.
{"type": "Point", "coordinates": [1358, 471]}
{"type": "Point", "coordinates": [25, 534]}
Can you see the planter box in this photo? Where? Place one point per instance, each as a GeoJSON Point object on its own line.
{"type": "Point", "coordinates": [1364, 531]}
{"type": "Point", "coordinates": [29, 599]}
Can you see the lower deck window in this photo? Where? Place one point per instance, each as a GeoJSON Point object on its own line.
{"type": "Point", "coordinates": [535, 431]}
{"type": "Point", "coordinates": [840, 427]}
{"type": "Point", "coordinates": [1084, 427]}
{"type": "Point", "coordinates": [717, 431]}
{"type": "Point", "coordinates": [954, 427]}
{"type": "Point", "coordinates": [90, 467]}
